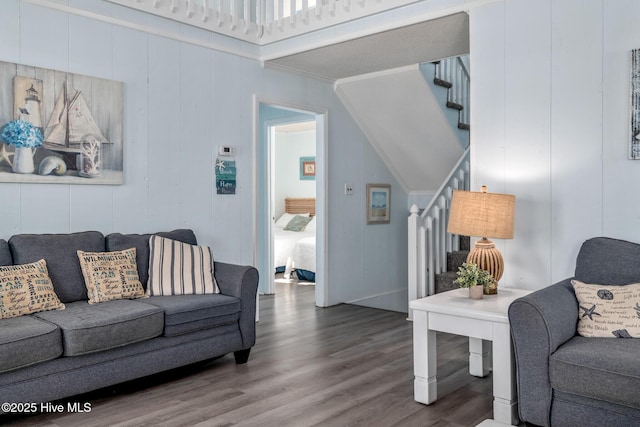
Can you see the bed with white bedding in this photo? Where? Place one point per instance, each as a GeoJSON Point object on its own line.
{"type": "Point", "coordinates": [295, 248]}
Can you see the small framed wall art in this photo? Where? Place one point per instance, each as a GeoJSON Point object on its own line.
{"type": "Point", "coordinates": [307, 168]}
{"type": "Point", "coordinates": [378, 203]}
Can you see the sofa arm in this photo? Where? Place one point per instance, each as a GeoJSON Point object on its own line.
{"type": "Point", "coordinates": [540, 323]}
{"type": "Point", "coordinates": [242, 282]}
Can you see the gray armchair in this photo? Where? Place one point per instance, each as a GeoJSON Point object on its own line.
{"type": "Point", "coordinates": [565, 379]}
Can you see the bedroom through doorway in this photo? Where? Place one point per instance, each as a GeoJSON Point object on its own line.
{"type": "Point", "coordinates": [293, 193]}
{"type": "Point", "coordinates": [290, 199]}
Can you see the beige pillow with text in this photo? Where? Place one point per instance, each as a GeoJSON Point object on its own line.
{"type": "Point", "coordinates": [26, 289]}
{"type": "Point", "coordinates": [608, 310]}
{"type": "Point", "coordinates": [110, 275]}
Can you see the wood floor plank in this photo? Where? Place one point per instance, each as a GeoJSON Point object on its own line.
{"type": "Point", "coordinates": [338, 366]}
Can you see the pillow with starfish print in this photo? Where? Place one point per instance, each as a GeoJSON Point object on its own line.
{"type": "Point", "coordinates": [608, 310]}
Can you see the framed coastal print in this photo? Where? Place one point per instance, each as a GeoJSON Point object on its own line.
{"type": "Point", "coordinates": [59, 128]}
{"type": "Point", "coordinates": [378, 203]}
{"type": "Point", "coordinates": [307, 168]}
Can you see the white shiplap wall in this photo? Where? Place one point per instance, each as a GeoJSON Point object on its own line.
{"type": "Point", "coordinates": [183, 100]}
{"type": "Point", "coordinates": [550, 124]}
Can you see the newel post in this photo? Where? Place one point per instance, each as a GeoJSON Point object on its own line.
{"type": "Point", "coordinates": [413, 263]}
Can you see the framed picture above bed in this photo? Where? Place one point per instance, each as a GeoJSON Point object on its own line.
{"type": "Point", "coordinates": [378, 203]}
{"type": "Point", "coordinates": [307, 168]}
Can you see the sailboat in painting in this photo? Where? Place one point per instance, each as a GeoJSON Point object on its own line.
{"type": "Point", "coordinates": [71, 122]}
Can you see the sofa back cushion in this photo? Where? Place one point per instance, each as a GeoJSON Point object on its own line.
{"type": "Point", "coordinates": [118, 242]}
{"type": "Point", "coordinates": [5, 253]}
{"type": "Point", "coordinates": [60, 252]}
{"type": "Point", "coordinates": [607, 261]}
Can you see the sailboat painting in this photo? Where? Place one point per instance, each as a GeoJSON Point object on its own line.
{"type": "Point", "coordinates": [79, 117]}
{"type": "Point", "coordinates": [70, 122]}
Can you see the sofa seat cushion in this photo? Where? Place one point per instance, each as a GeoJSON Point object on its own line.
{"type": "Point", "coordinates": [26, 340]}
{"type": "Point", "coordinates": [189, 313]}
{"type": "Point", "coordinates": [90, 328]}
{"type": "Point", "coordinates": [599, 368]}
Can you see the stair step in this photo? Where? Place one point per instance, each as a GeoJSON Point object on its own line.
{"type": "Point", "coordinates": [455, 106]}
{"type": "Point", "coordinates": [464, 126]}
{"type": "Point", "coordinates": [465, 243]}
{"type": "Point", "coordinates": [444, 282]}
{"type": "Point", "coordinates": [442, 83]}
{"type": "Point", "coordinates": [456, 259]}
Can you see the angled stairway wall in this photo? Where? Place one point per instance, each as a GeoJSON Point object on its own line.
{"type": "Point", "coordinates": [403, 115]}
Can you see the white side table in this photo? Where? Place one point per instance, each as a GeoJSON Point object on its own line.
{"type": "Point", "coordinates": [483, 321]}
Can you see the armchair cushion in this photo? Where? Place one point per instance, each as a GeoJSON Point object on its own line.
{"type": "Point", "coordinates": [608, 261]}
{"type": "Point", "coordinates": [586, 367]}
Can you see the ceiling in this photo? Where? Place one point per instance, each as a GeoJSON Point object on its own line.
{"type": "Point", "coordinates": [413, 44]}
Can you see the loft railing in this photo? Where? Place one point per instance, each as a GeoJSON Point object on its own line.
{"type": "Point", "coordinates": [428, 239]}
{"type": "Point", "coordinates": [455, 72]}
{"type": "Point", "coordinates": [262, 21]}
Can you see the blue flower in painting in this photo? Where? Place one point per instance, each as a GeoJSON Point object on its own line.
{"type": "Point", "coordinates": [21, 134]}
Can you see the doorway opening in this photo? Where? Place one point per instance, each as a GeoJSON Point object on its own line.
{"type": "Point", "coordinates": [291, 180]}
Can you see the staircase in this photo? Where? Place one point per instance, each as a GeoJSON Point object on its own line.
{"type": "Point", "coordinates": [435, 254]}
{"type": "Point", "coordinates": [452, 74]}
{"type": "Point", "coordinates": [455, 259]}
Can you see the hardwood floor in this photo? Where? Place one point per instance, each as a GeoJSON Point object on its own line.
{"type": "Point", "coordinates": [338, 366]}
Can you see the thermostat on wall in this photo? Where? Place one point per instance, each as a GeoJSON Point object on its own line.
{"type": "Point", "coordinates": [226, 150]}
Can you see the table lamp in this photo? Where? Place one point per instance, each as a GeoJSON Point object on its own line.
{"type": "Point", "coordinates": [483, 215]}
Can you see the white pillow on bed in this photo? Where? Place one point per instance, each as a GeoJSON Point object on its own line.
{"type": "Point", "coordinates": [312, 225]}
{"type": "Point", "coordinates": [285, 218]}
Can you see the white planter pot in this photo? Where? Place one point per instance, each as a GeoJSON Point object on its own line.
{"type": "Point", "coordinates": [475, 292]}
{"type": "Point", "coordinates": [23, 160]}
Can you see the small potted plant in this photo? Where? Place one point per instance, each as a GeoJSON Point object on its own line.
{"type": "Point", "coordinates": [473, 277]}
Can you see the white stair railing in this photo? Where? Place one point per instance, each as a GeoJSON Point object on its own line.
{"type": "Point", "coordinates": [262, 21]}
{"type": "Point", "coordinates": [454, 71]}
{"type": "Point", "coordinates": [429, 241]}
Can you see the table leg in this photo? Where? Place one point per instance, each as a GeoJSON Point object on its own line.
{"type": "Point", "coordinates": [505, 400]}
{"type": "Point", "coordinates": [479, 357]}
{"type": "Point", "coordinates": [425, 389]}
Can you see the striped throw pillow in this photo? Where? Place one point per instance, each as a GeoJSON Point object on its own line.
{"type": "Point", "coordinates": [177, 268]}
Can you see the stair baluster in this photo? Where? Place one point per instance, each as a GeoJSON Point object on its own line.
{"type": "Point", "coordinates": [428, 239]}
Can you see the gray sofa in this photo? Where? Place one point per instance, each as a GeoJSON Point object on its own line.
{"type": "Point", "coordinates": [565, 379]}
{"type": "Point", "coordinates": [56, 354]}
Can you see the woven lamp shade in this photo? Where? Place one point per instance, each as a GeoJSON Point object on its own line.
{"type": "Point", "coordinates": [483, 215]}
